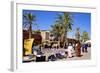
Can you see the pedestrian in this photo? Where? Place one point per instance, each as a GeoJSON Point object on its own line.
{"type": "Point", "coordinates": [70, 51]}
{"type": "Point", "coordinates": [78, 49]}
{"type": "Point", "coordinates": [83, 47]}
{"type": "Point", "coordinates": [86, 46]}
{"type": "Point", "coordinates": [74, 46]}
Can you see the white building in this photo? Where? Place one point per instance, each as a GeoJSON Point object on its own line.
{"type": "Point", "coordinates": [45, 35]}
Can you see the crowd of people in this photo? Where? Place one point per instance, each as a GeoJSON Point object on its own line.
{"type": "Point", "coordinates": [72, 50]}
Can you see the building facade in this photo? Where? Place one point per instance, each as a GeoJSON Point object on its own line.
{"type": "Point", "coordinates": [45, 35]}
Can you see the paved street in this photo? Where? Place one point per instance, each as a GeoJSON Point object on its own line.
{"type": "Point", "coordinates": [53, 51]}
{"type": "Point", "coordinates": [83, 57]}
{"type": "Point", "coordinates": [48, 52]}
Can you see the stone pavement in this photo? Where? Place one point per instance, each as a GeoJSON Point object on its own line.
{"type": "Point", "coordinates": [48, 52]}
{"type": "Point", "coordinates": [83, 57]}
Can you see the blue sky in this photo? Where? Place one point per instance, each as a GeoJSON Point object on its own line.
{"type": "Point", "coordinates": [44, 20]}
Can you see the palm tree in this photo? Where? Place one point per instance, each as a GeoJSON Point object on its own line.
{"type": "Point", "coordinates": [77, 34]}
{"type": "Point", "coordinates": [62, 25]}
{"type": "Point", "coordinates": [30, 18]}
{"type": "Point", "coordinates": [85, 36]}
{"type": "Point", "coordinates": [56, 31]}
{"type": "Point", "coordinates": [65, 20]}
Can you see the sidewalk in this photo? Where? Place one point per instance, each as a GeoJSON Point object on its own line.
{"type": "Point", "coordinates": [83, 57]}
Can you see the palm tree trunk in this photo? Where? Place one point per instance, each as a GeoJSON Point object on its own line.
{"type": "Point", "coordinates": [66, 39]}
{"type": "Point", "coordinates": [30, 31]}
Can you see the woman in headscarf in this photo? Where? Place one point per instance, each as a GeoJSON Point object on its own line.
{"type": "Point", "coordinates": [78, 49]}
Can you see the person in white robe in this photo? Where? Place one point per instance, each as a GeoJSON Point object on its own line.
{"type": "Point", "coordinates": [70, 51]}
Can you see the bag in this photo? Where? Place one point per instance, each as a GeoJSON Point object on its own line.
{"type": "Point", "coordinates": [52, 58]}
